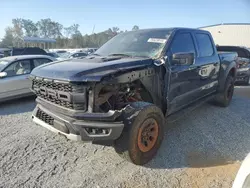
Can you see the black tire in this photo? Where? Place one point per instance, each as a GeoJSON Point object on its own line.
{"type": "Point", "coordinates": [224, 98]}
{"type": "Point", "coordinates": [128, 145]}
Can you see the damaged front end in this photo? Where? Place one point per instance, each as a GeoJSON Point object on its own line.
{"type": "Point", "coordinates": [92, 111]}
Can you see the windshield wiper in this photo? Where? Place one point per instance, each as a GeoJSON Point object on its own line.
{"type": "Point", "coordinates": [95, 54]}
{"type": "Point", "coordinates": [125, 55]}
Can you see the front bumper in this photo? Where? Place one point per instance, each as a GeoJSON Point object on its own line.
{"type": "Point", "coordinates": [95, 128]}
{"type": "Point", "coordinates": [51, 128]}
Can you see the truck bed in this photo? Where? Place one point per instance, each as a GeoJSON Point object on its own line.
{"type": "Point", "coordinates": [227, 56]}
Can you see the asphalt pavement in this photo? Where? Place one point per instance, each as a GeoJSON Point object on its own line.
{"type": "Point", "coordinates": [203, 149]}
{"type": "Point", "coordinates": [243, 91]}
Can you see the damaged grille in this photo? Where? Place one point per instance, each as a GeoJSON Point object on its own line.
{"type": "Point", "coordinates": [66, 87]}
{"type": "Point", "coordinates": [44, 117]}
{"type": "Point", "coordinates": [61, 94]}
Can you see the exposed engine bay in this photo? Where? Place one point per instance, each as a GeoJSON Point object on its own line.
{"type": "Point", "coordinates": [117, 96]}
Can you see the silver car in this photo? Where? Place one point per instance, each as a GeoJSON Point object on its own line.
{"type": "Point", "coordinates": [78, 55]}
{"type": "Point", "coordinates": [14, 75]}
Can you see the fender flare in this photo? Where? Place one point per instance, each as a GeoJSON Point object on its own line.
{"type": "Point", "coordinates": [225, 70]}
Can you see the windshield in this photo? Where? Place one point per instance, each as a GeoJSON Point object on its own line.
{"type": "Point", "coordinates": [3, 64]}
{"type": "Point", "coordinates": [147, 43]}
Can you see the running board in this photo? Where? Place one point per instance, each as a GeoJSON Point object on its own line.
{"type": "Point", "coordinates": [182, 113]}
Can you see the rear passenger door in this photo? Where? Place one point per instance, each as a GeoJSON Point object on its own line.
{"type": "Point", "coordinates": [208, 62]}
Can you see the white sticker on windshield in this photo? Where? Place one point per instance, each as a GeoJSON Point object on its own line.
{"type": "Point", "coordinates": [156, 40]}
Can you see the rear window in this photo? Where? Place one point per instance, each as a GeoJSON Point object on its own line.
{"type": "Point", "coordinates": [205, 45]}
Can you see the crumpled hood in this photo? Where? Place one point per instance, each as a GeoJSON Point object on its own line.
{"type": "Point", "coordinates": [92, 68]}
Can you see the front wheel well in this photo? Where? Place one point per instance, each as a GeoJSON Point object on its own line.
{"type": "Point", "coordinates": [232, 72]}
{"type": "Point", "coordinates": [117, 96]}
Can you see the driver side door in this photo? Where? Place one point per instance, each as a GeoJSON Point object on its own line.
{"type": "Point", "coordinates": [17, 80]}
{"type": "Point", "coordinates": [183, 78]}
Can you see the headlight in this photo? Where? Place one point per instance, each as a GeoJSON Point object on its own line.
{"type": "Point", "coordinates": [243, 69]}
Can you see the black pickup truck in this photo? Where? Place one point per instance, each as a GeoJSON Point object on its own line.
{"type": "Point", "coordinates": [124, 92]}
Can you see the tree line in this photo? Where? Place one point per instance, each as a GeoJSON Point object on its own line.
{"type": "Point", "coordinates": [66, 37]}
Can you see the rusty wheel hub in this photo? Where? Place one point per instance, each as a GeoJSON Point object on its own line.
{"type": "Point", "coordinates": [148, 134]}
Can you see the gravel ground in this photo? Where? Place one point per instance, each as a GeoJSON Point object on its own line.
{"type": "Point", "coordinates": [203, 149]}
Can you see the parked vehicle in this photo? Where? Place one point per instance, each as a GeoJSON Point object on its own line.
{"type": "Point", "coordinates": [61, 51]}
{"type": "Point", "coordinates": [22, 51]}
{"type": "Point", "coordinates": [91, 50]}
{"type": "Point", "coordinates": [123, 92]}
{"type": "Point", "coordinates": [243, 72]}
{"type": "Point", "coordinates": [55, 55]}
{"type": "Point", "coordinates": [4, 52]}
{"type": "Point", "coordinates": [78, 55]}
{"type": "Point", "coordinates": [14, 74]}
{"type": "Point", "coordinates": [28, 51]}
{"type": "Point", "coordinates": [242, 179]}
{"type": "Point", "coordinates": [63, 56]}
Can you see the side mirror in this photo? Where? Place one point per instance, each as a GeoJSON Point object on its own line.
{"type": "Point", "coordinates": [183, 58]}
{"type": "Point", "coordinates": [3, 74]}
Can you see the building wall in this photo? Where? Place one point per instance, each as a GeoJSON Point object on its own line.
{"type": "Point", "coordinates": [235, 35]}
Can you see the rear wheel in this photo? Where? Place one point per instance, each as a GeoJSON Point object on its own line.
{"type": "Point", "coordinates": [224, 98]}
{"type": "Point", "coordinates": [142, 135]}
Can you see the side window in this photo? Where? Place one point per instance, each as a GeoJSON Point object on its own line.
{"type": "Point", "coordinates": [183, 43]}
{"type": "Point", "coordinates": [18, 68]}
{"type": "Point", "coordinates": [38, 62]}
{"type": "Point", "coordinates": [205, 45]}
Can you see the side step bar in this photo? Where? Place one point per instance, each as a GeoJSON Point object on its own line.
{"type": "Point", "coordinates": [189, 108]}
